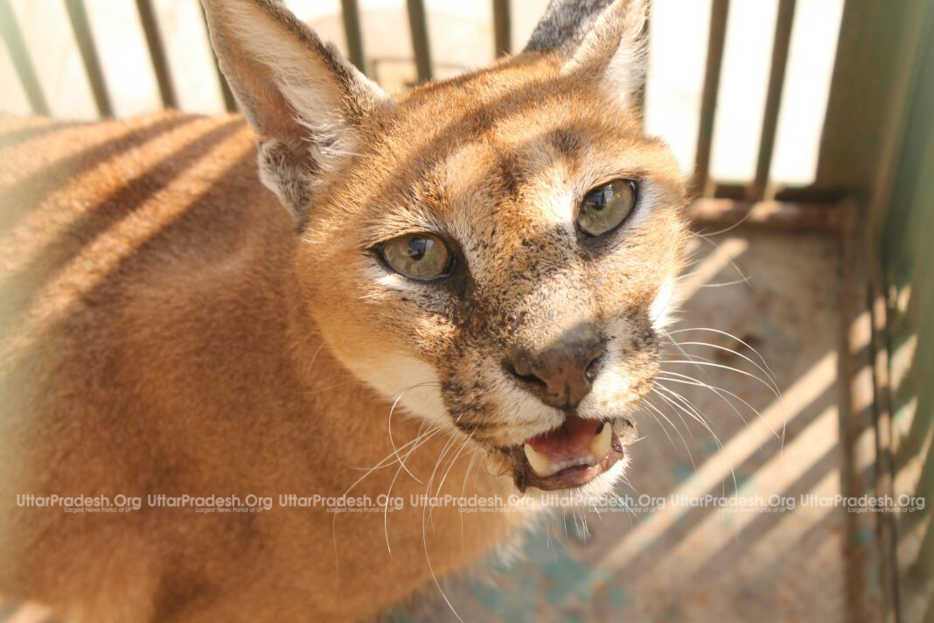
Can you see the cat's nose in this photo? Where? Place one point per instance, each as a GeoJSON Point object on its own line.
{"type": "Point", "coordinates": [562, 373]}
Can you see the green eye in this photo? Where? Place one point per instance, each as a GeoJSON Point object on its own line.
{"type": "Point", "coordinates": [422, 257]}
{"type": "Point", "coordinates": [605, 207]}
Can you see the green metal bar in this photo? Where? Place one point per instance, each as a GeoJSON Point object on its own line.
{"type": "Point", "coordinates": [351, 15]}
{"type": "Point", "coordinates": [160, 65]}
{"type": "Point", "coordinates": [502, 28]}
{"type": "Point", "coordinates": [21, 60]}
{"type": "Point", "coordinates": [716, 38]}
{"type": "Point", "coordinates": [420, 44]}
{"type": "Point", "coordinates": [92, 65]}
{"type": "Point", "coordinates": [773, 99]}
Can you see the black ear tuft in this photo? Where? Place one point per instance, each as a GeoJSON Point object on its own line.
{"type": "Point", "coordinates": [565, 24]}
{"type": "Point", "coordinates": [602, 39]}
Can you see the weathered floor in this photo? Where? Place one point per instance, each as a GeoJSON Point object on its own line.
{"type": "Point", "coordinates": [776, 559]}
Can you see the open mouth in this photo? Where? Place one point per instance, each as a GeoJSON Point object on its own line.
{"type": "Point", "coordinates": [571, 455]}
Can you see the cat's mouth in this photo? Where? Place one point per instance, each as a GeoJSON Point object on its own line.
{"type": "Point", "coordinates": [571, 455]}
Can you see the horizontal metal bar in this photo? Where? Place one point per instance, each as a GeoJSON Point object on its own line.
{"type": "Point", "coordinates": [728, 213]}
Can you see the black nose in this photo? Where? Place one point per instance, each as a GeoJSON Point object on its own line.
{"type": "Point", "coordinates": [562, 373]}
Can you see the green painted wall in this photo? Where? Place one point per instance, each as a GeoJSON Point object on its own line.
{"type": "Point", "coordinates": [907, 248]}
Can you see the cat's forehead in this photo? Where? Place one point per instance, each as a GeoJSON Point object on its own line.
{"type": "Point", "coordinates": [506, 106]}
{"type": "Point", "coordinates": [523, 150]}
{"type": "Point", "coordinates": [500, 159]}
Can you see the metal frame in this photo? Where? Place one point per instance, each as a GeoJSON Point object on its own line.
{"type": "Point", "coordinates": [865, 28]}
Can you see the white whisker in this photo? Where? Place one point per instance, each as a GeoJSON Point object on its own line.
{"type": "Point", "coordinates": [689, 408]}
{"type": "Point", "coordinates": [723, 284]}
{"type": "Point", "coordinates": [392, 483]}
{"type": "Point", "coordinates": [687, 447]}
{"type": "Point", "coordinates": [473, 458]}
{"type": "Point", "coordinates": [709, 386]}
{"type": "Point", "coordinates": [722, 367]}
{"type": "Point", "coordinates": [704, 238]}
{"type": "Point", "coordinates": [646, 402]}
{"type": "Point", "coordinates": [767, 374]}
{"type": "Point", "coordinates": [729, 335]}
{"type": "Point", "coordinates": [690, 380]}
{"type": "Point", "coordinates": [389, 425]}
{"type": "Point", "coordinates": [387, 460]}
{"type": "Point", "coordinates": [452, 462]}
{"type": "Point", "coordinates": [431, 570]}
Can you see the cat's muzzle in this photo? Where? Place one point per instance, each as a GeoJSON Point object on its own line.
{"type": "Point", "coordinates": [571, 455]}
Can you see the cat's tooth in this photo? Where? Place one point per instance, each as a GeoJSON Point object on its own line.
{"type": "Point", "coordinates": [600, 444]}
{"type": "Point", "coordinates": [540, 463]}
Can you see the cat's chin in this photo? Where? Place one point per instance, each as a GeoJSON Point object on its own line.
{"type": "Point", "coordinates": [594, 493]}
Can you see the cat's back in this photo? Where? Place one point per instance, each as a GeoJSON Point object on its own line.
{"type": "Point", "coordinates": [82, 198]}
{"type": "Point", "coordinates": [90, 213]}
{"type": "Point", "coordinates": [124, 246]}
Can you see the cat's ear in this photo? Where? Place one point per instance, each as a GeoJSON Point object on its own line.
{"type": "Point", "coordinates": [602, 39]}
{"type": "Point", "coordinates": [304, 100]}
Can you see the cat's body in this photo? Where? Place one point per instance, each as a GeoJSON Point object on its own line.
{"type": "Point", "coordinates": [167, 331]}
{"type": "Point", "coordinates": [223, 403]}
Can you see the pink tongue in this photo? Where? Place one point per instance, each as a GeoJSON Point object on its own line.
{"type": "Point", "coordinates": [571, 440]}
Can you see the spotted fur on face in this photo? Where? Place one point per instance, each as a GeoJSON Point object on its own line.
{"type": "Point", "coordinates": [499, 176]}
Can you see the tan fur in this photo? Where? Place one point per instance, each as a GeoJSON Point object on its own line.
{"type": "Point", "coordinates": [165, 330]}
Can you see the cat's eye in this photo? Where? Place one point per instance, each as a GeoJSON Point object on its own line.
{"type": "Point", "coordinates": [422, 257]}
{"type": "Point", "coordinates": [605, 207]}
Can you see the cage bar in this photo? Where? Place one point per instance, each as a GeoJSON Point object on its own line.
{"type": "Point", "coordinates": [21, 60]}
{"type": "Point", "coordinates": [350, 13]}
{"type": "Point", "coordinates": [502, 28]}
{"type": "Point", "coordinates": [420, 45]}
{"type": "Point", "coordinates": [78, 17]}
{"type": "Point", "coordinates": [160, 65]}
{"type": "Point", "coordinates": [716, 38]}
{"type": "Point", "coordinates": [773, 99]}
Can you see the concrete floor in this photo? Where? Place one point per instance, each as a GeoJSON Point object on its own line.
{"type": "Point", "coordinates": [683, 562]}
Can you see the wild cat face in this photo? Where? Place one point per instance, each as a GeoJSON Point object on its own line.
{"type": "Point", "coordinates": [495, 252]}
{"type": "Point", "coordinates": [499, 261]}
